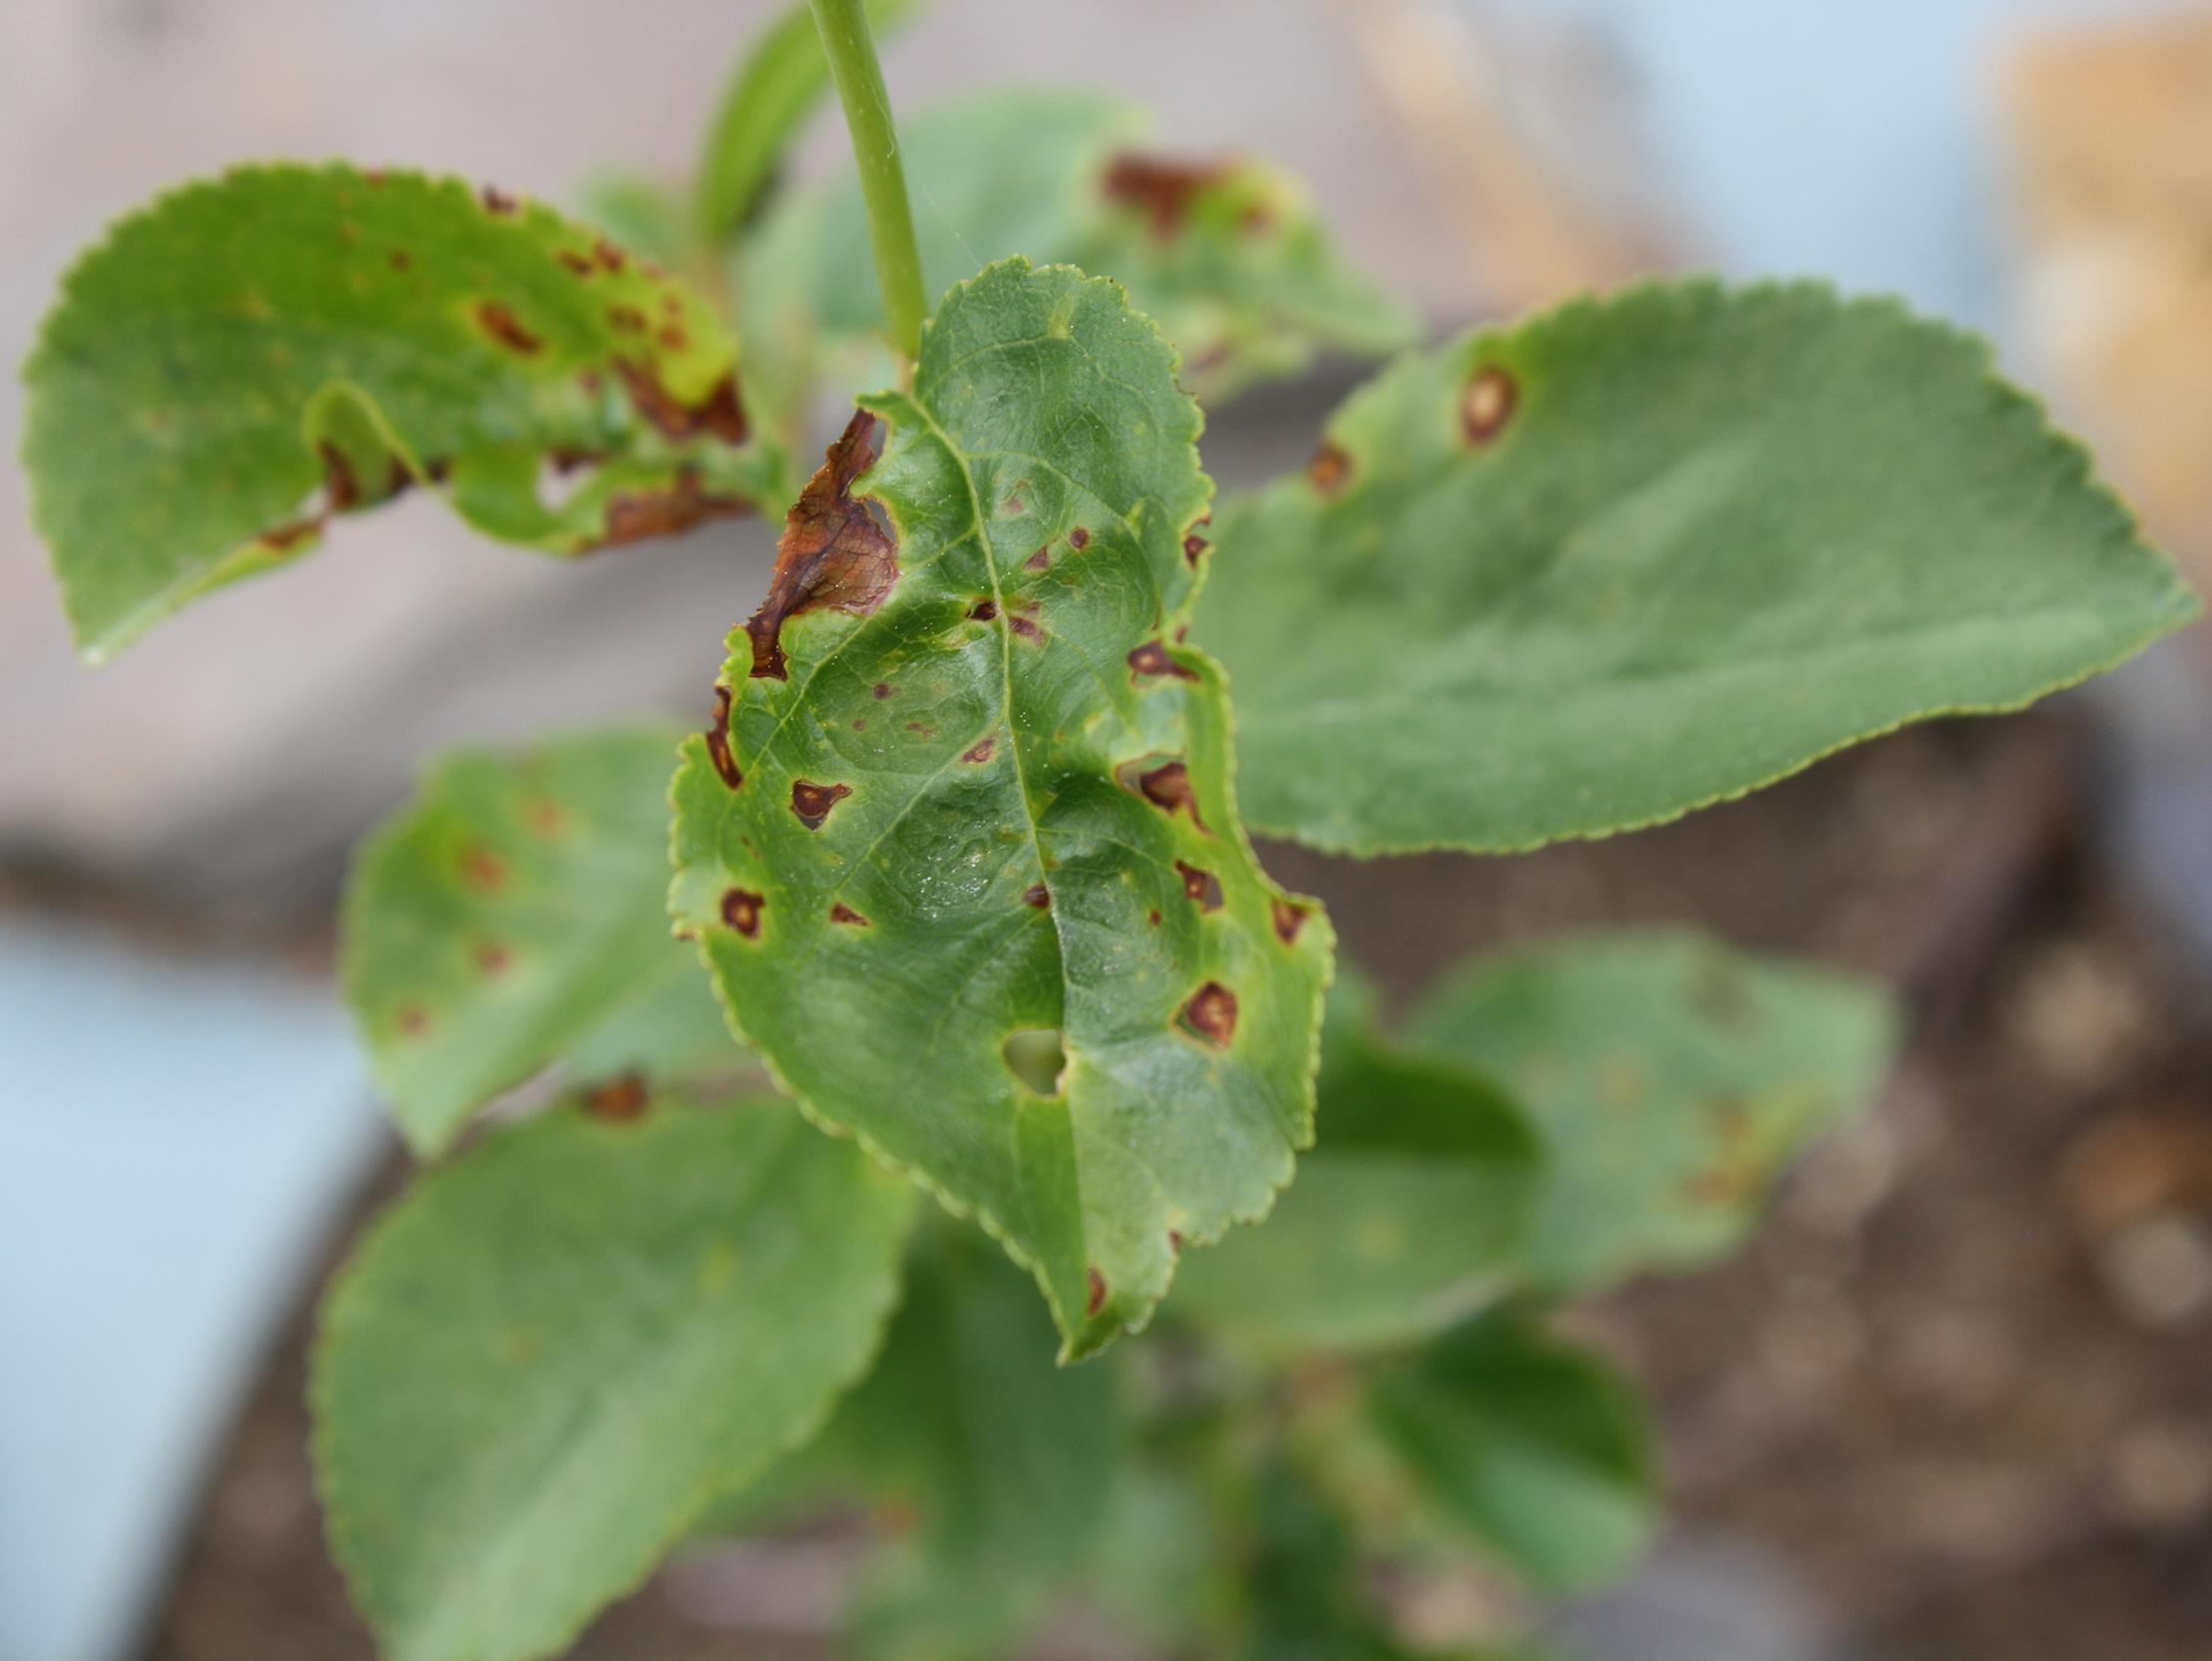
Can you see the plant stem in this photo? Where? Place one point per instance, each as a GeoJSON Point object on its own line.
{"type": "Point", "coordinates": [883, 178]}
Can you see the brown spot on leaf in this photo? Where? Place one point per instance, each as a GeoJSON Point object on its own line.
{"type": "Point", "coordinates": [1153, 659]}
{"type": "Point", "coordinates": [412, 1020]}
{"type": "Point", "coordinates": [282, 539]}
{"type": "Point", "coordinates": [1041, 560]}
{"type": "Point", "coordinates": [719, 412]}
{"type": "Point", "coordinates": [982, 611]}
{"type": "Point", "coordinates": [833, 553]}
{"type": "Point", "coordinates": [1078, 539]}
{"type": "Point", "coordinates": [1210, 1014]}
{"type": "Point", "coordinates": [1095, 1297]}
{"type": "Point", "coordinates": [671, 338]}
{"type": "Point", "coordinates": [1167, 787]}
{"type": "Point", "coordinates": [982, 750]}
{"type": "Point", "coordinates": [882, 690]}
{"type": "Point", "coordinates": [1330, 470]}
{"type": "Point", "coordinates": [1037, 895]}
{"type": "Point", "coordinates": [842, 913]}
{"type": "Point", "coordinates": [545, 817]}
{"type": "Point", "coordinates": [1153, 918]}
{"type": "Point", "coordinates": [1289, 920]}
{"type": "Point", "coordinates": [498, 202]}
{"type": "Point", "coordinates": [717, 743]}
{"type": "Point", "coordinates": [628, 319]}
{"type": "Point", "coordinates": [1174, 1242]}
{"type": "Point", "coordinates": [608, 257]}
{"type": "Point", "coordinates": [741, 910]}
{"type": "Point", "coordinates": [620, 1101]}
{"type": "Point", "coordinates": [640, 516]}
{"type": "Point", "coordinates": [812, 802]}
{"type": "Point", "coordinates": [1026, 627]}
{"type": "Point", "coordinates": [492, 957]}
{"type": "Point", "coordinates": [578, 264]}
{"type": "Point", "coordinates": [501, 323]}
{"type": "Point", "coordinates": [1193, 547]}
{"type": "Point", "coordinates": [922, 727]}
{"type": "Point", "coordinates": [1162, 189]}
{"type": "Point", "coordinates": [1200, 887]}
{"type": "Point", "coordinates": [1488, 404]}
{"type": "Point", "coordinates": [482, 869]}
{"type": "Point", "coordinates": [402, 259]}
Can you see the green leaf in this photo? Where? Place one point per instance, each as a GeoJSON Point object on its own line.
{"type": "Point", "coordinates": [1533, 1446]}
{"type": "Point", "coordinates": [245, 358]}
{"type": "Point", "coordinates": [1671, 1077]}
{"type": "Point", "coordinates": [1407, 1216]}
{"type": "Point", "coordinates": [994, 1464]}
{"type": "Point", "coordinates": [514, 914]}
{"type": "Point", "coordinates": [545, 1360]}
{"type": "Point", "coordinates": [1649, 552]}
{"type": "Point", "coordinates": [971, 789]}
{"type": "Point", "coordinates": [781, 82]}
{"type": "Point", "coordinates": [1228, 257]}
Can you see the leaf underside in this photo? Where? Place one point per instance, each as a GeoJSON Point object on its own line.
{"type": "Point", "coordinates": [1672, 1079]}
{"type": "Point", "coordinates": [970, 787]}
{"type": "Point", "coordinates": [247, 357]}
{"type": "Point", "coordinates": [1649, 552]}
{"type": "Point", "coordinates": [513, 916]}
{"type": "Point", "coordinates": [549, 1357]}
{"type": "Point", "coordinates": [1227, 257]}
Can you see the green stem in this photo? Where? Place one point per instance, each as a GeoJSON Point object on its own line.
{"type": "Point", "coordinates": [883, 178]}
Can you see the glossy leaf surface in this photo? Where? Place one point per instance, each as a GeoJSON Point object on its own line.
{"type": "Point", "coordinates": [972, 789]}
{"type": "Point", "coordinates": [1648, 552]}
{"type": "Point", "coordinates": [546, 1360]}
{"type": "Point", "coordinates": [247, 357]}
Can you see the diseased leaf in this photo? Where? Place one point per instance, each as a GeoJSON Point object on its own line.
{"type": "Point", "coordinates": [990, 1467]}
{"type": "Point", "coordinates": [1226, 254]}
{"type": "Point", "coordinates": [1648, 552]}
{"type": "Point", "coordinates": [1671, 1077]}
{"type": "Point", "coordinates": [972, 789]}
{"type": "Point", "coordinates": [781, 82]}
{"type": "Point", "coordinates": [1531, 1445]}
{"type": "Point", "coordinates": [544, 1361]}
{"type": "Point", "coordinates": [514, 914]}
{"type": "Point", "coordinates": [1408, 1215]}
{"type": "Point", "coordinates": [246, 356]}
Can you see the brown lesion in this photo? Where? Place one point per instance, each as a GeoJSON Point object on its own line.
{"type": "Point", "coordinates": [1037, 895]}
{"type": "Point", "coordinates": [1202, 888]}
{"type": "Point", "coordinates": [1193, 548]}
{"type": "Point", "coordinates": [741, 909]}
{"type": "Point", "coordinates": [842, 913]}
{"type": "Point", "coordinates": [641, 516]}
{"type": "Point", "coordinates": [812, 802]}
{"type": "Point", "coordinates": [832, 555]}
{"type": "Point", "coordinates": [1289, 920]}
{"type": "Point", "coordinates": [721, 414]}
{"type": "Point", "coordinates": [1488, 404]}
{"type": "Point", "coordinates": [1094, 1298]}
{"type": "Point", "coordinates": [1078, 539]}
{"type": "Point", "coordinates": [620, 1101]}
{"type": "Point", "coordinates": [1210, 1014]}
{"type": "Point", "coordinates": [1167, 787]}
{"type": "Point", "coordinates": [492, 957]}
{"type": "Point", "coordinates": [498, 202]}
{"type": "Point", "coordinates": [1153, 660]}
{"type": "Point", "coordinates": [482, 870]}
{"type": "Point", "coordinates": [984, 611]}
{"type": "Point", "coordinates": [717, 743]}
{"type": "Point", "coordinates": [1330, 470]}
{"type": "Point", "coordinates": [1161, 188]}
{"type": "Point", "coordinates": [496, 317]}
{"type": "Point", "coordinates": [982, 750]}
{"type": "Point", "coordinates": [1041, 560]}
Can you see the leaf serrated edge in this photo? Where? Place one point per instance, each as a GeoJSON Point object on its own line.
{"type": "Point", "coordinates": [2079, 462]}
{"type": "Point", "coordinates": [345, 1545]}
